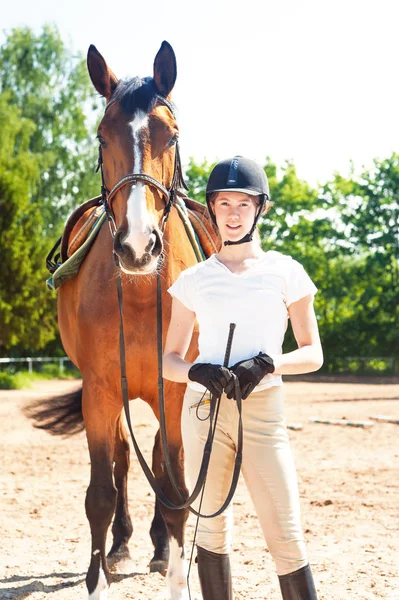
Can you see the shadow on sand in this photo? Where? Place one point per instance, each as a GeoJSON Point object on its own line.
{"type": "Point", "coordinates": [34, 583]}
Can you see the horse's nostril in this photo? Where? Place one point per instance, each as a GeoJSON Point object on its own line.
{"type": "Point", "coordinates": [151, 243]}
{"type": "Point", "coordinates": [118, 246]}
{"type": "Point", "coordinates": [122, 249]}
{"type": "Point", "coordinates": [158, 246]}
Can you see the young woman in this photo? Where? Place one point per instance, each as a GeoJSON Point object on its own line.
{"type": "Point", "coordinates": [258, 291]}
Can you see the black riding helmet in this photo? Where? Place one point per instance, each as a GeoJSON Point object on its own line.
{"type": "Point", "coordinates": [239, 174]}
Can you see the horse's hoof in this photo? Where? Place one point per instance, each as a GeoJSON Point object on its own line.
{"type": "Point", "coordinates": [120, 560]}
{"type": "Point", "coordinates": [159, 566]}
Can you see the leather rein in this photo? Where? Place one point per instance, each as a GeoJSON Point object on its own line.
{"type": "Point", "coordinates": [169, 196]}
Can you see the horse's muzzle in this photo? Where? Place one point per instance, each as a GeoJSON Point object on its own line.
{"type": "Point", "coordinates": [138, 261]}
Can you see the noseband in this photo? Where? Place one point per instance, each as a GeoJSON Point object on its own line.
{"type": "Point", "coordinates": [168, 195]}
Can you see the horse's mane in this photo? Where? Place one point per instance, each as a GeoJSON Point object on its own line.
{"type": "Point", "coordinates": [135, 94]}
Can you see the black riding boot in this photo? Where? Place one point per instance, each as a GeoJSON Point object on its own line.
{"type": "Point", "coordinates": [298, 585]}
{"type": "Point", "coordinates": [214, 575]}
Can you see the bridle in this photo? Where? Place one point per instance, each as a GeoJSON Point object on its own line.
{"type": "Point", "coordinates": [168, 195]}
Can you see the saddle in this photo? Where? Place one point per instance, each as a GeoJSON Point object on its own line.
{"type": "Point", "coordinates": [79, 225]}
{"type": "Point", "coordinates": [203, 226]}
{"type": "Point", "coordinates": [85, 222]}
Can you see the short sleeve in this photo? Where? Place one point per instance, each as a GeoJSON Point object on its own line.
{"type": "Point", "coordinates": [299, 284]}
{"type": "Point", "coordinates": [182, 290]}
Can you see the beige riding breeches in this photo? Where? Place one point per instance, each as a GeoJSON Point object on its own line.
{"type": "Point", "coordinates": [267, 467]}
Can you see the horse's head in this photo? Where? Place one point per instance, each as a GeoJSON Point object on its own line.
{"type": "Point", "coordinates": [138, 135]}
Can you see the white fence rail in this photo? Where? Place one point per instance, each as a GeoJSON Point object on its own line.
{"type": "Point", "coordinates": [40, 359]}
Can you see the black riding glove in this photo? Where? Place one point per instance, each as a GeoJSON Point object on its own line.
{"type": "Point", "coordinates": [214, 377]}
{"type": "Point", "coordinates": [250, 373]}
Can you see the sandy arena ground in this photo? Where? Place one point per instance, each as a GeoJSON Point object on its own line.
{"type": "Point", "coordinates": [348, 480]}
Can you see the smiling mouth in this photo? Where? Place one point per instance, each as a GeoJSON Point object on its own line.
{"type": "Point", "coordinates": [230, 226]}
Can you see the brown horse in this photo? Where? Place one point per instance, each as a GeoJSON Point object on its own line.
{"type": "Point", "coordinates": [138, 135]}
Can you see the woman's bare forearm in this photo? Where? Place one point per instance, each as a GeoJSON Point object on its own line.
{"type": "Point", "coordinates": [175, 368]}
{"type": "Point", "coordinates": [303, 360]}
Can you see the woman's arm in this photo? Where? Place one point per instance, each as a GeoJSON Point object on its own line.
{"type": "Point", "coordinates": [181, 326]}
{"type": "Point", "coordinates": [309, 355]}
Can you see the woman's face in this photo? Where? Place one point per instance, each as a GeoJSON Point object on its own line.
{"type": "Point", "coordinates": [235, 214]}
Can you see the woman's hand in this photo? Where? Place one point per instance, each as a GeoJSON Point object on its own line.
{"type": "Point", "coordinates": [250, 373]}
{"type": "Point", "coordinates": [214, 377]}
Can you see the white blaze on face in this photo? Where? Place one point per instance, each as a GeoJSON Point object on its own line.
{"type": "Point", "coordinates": [138, 219]}
{"type": "Point", "coordinates": [177, 572]}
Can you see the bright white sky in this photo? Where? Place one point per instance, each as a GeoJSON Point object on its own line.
{"type": "Point", "coordinates": [315, 81]}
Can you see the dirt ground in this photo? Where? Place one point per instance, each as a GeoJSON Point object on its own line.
{"type": "Point", "coordinates": [348, 480]}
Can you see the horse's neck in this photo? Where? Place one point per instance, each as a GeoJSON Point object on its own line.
{"type": "Point", "coordinates": [178, 249]}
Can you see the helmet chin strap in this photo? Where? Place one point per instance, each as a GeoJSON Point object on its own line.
{"type": "Point", "coordinates": [249, 236]}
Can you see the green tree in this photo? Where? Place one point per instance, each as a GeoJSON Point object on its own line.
{"type": "Point", "coordinates": [196, 176]}
{"type": "Point", "coordinates": [26, 311]}
{"type": "Point", "coordinates": [51, 87]}
{"type": "Point", "coordinates": [294, 204]}
{"type": "Point", "coordinates": [47, 161]}
{"type": "Point", "coordinates": [369, 211]}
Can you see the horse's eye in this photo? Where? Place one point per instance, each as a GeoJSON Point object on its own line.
{"type": "Point", "coordinates": [173, 140]}
{"type": "Point", "coordinates": [103, 143]}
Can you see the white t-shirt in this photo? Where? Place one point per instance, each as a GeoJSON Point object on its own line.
{"type": "Point", "coordinates": [256, 301]}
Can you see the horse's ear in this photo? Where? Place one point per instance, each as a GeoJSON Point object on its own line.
{"type": "Point", "coordinates": [104, 80]}
{"type": "Point", "coordinates": [165, 69]}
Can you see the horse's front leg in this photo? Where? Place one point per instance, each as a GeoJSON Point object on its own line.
{"type": "Point", "coordinates": [122, 527]}
{"type": "Point", "coordinates": [158, 531]}
{"type": "Point", "coordinates": [175, 520]}
{"type": "Point", "coordinates": [100, 417]}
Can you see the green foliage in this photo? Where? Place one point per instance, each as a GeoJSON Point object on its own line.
{"type": "Point", "coordinates": [18, 380]}
{"type": "Point", "coordinates": [24, 320]}
{"type": "Point", "coordinates": [368, 207]}
{"type": "Point", "coordinates": [196, 177]}
{"type": "Point", "coordinates": [53, 370]}
{"type": "Point", "coordinates": [51, 87]}
{"type": "Point", "coordinates": [293, 202]}
{"type": "Point", "coordinates": [47, 161]}
{"type": "Point", "coordinates": [7, 381]}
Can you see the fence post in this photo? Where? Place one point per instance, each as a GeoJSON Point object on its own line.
{"type": "Point", "coordinates": [61, 366]}
{"type": "Point", "coordinates": [29, 361]}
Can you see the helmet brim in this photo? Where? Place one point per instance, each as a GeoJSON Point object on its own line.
{"type": "Point", "coordinates": [241, 190]}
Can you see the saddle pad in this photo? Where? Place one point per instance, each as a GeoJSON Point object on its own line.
{"type": "Point", "coordinates": [71, 266]}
